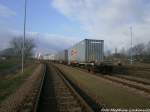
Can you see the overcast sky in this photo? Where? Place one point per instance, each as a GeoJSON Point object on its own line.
{"type": "Point", "coordinates": [58, 24]}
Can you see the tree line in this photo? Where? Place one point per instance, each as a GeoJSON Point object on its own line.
{"type": "Point", "coordinates": [139, 52]}
{"type": "Point", "coordinates": [16, 47]}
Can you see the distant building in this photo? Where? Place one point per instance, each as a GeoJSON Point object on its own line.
{"type": "Point", "coordinates": [48, 57]}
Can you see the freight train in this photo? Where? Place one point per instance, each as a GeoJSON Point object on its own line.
{"type": "Point", "coordinates": [88, 54]}
{"type": "Point", "coordinates": [86, 51]}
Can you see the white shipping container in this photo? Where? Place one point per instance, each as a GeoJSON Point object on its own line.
{"type": "Point", "coordinates": [88, 50]}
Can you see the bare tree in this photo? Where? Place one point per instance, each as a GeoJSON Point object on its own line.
{"type": "Point", "coordinates": [138, 50]}
{"type": "Point", "coordinates": [16, 45]}
{"type": "Point", "coordinates": [148, 49]}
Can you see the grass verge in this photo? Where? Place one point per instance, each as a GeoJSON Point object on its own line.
{"type": "Point", "coordinates": [6, 64]}
{"type": "Point", "coordinates": [10, 84]}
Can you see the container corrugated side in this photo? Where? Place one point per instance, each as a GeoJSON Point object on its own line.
{"type": "Point", "coordinates": [94, 50]}
{"type": "Point", "coordinates": [86, 51]}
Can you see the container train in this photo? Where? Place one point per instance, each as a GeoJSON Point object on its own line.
{"type": "Point", "coordinates": [88, 54]}
{"type": "Point", "coordinates": [85, 52]}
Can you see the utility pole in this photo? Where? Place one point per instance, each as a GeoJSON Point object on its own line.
{"type": "Point", "coordinates": [23, 43]}
{"type": "Point", "coordinates": [131, 57]}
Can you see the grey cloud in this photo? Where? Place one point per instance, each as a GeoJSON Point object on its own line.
{"type": "Point", "coordinates": [47, 43]}
{"type": "Point", "coordinates": [110, 18]}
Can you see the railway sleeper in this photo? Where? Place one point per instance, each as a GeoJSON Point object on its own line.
{"type": "Point", "coordinates": [69, 102]}
{"type": "Point", "coordinates": [63, 94]}
{"type": "Point", "coordinates": [72, 110]}
{"type": "Point", "coordinates": [69, 108]}
{"type": "Point", "coordinates": [70, 105]}
{"type": "Point", "coordinates": [65, 99]}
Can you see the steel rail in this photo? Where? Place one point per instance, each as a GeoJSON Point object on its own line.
{"type": "Point", "coordinates": [40, 89]}
{"type": "Point", "coordinates": [82, 102]}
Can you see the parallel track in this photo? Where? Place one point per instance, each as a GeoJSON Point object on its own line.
{"type": "Point", "coordinates": [133, 84]}
{"type": "Point", "coordinates": [138, 85]}
{"type": "Point", "coordinates": [58, 95]}
{"type": "Point", "coordinates": [130, 78]}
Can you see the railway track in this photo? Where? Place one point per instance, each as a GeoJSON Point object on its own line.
{"type": "Point", "coordinates": [132, 83]}
{"type": "Point", "coordinates": [138, 80]}
{"type": "Point", "coordinates": [58, 95]}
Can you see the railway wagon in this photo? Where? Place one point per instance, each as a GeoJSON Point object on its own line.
{"type": "Point", "coordinates": [87, 51]}
{"type": "Point", "coordinates": [62, 56]}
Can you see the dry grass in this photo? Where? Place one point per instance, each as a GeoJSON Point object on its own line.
{"type": "Point", "coordinates": [105, 91]}
{"type": "Point", "coordinates": [12, 82]}
{"type": "Point", "coordinates": [139, 70]}
{"type": "Point", "coordinates": [15, 100]}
